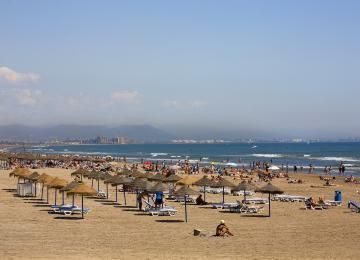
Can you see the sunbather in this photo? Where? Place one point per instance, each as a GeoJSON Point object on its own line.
{"type": "Point", "coordinates": [222, 230]}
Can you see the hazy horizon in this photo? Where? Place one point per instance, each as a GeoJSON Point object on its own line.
{"type": "Point", "coordinates": [281, 68]}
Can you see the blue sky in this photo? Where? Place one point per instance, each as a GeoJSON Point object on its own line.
{"type": "Point", "coordinates": [289, 67]}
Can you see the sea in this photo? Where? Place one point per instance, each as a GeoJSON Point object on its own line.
{"type": "Point", "coordinates": [319, 155]}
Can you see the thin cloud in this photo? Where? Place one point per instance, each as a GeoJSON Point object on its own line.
{"type": "Point", "coordinates": [14, 77]}
{"type": "Point", "coordinates": [28, 97]}
{"type": "Point", "coordinates": [124, 96]}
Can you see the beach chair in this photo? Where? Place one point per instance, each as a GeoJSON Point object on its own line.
{"type": "Point", "coordinates": [315, 206]}
{"type": "Point", "coordinates": [256, 201]}
{"type": "Point", "coordinates": [101, 194]}
{"type": "Point", "coordinates": [153, 211]}
{"type": "Point", "coordinates": [74, 209]}
{"type": "Point", "coordinates": [354, 206]}
{"type": "Point", "coordinates": [243, 208]}
{"type": "Point", "coordinates": [223, 205]}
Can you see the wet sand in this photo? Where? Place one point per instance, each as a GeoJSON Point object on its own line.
{"type": "Point", "coordinates": [29, 231]}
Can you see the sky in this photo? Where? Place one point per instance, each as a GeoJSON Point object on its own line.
{"type": "Point", "coordinates": [290, 68]}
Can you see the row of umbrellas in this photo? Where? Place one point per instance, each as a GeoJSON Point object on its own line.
{"type": "Point", "coordinates": [139, 183]}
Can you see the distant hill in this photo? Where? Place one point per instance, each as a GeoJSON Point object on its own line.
{"type": "Point", "coordinates": [140, 133]}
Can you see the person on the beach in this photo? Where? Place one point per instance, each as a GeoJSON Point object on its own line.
{"type": "Point", "coordinates": [159, 199]}
{"type": "Point", "coordinates": [200, 201]}
{"type": "Point", "coordinates": [222, 230]}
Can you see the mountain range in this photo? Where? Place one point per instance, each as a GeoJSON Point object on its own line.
{"type": "Point", "coordinates": [139, 133]}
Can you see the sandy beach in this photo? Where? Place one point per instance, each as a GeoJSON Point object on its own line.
{"type": "Point", "coordinates": [29, 231]}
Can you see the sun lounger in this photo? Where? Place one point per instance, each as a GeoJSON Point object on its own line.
{"type": "Point", "coordinates": [256, 201]}
{"type": "Point", "coordinates": [289, 198]}
{"type": "Point", "coordinates": [57, 208]}
{"type": "Point", "coordinates": [354, 206]}
{"type": "Point", "coordinates": [72, 210]}
{"type": "Point", "coordinates": [243, 208]}
{"type": "Point", "coordinates": [223, 205]}
{"type": "Point", "coordinates": [164, 211]}
{"type": "Point", "coordinates": [241, 193]}
{"type": "Point", "coordinates": [315, 206]}
{"type": "Point", "coordinates": [333, 202]}
{"type": "Point", "coordinates": [101, 194]}
{"type": "Point", "coordinates": [188, 199]}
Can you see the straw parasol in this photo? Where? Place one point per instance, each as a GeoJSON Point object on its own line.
{"type": "Point", "coordinates": [45, 180]}
{"type": "Point", "coordinates": [141, 184]}
{"type": "Point", "coordinates": [20, 172]}
{"type": "Point", "coordinates": [70, 186]}
{"type": "Point", "coordinates": [159, 187]}
{"type": "Point", "coordinates": [157, 177]}
{"type": "Point", "coordinates": [223, 183]}
{"type": "Point", "coordinates": [56, 184]}
{"type": "Point", "coordinates": [185, 191]}
{"type": "Point", "coordinates": [188, 180]}
{"type": "Point", "coordinates": [204, 182]}
{"type": "Point", "coordinates": [244, 186]}
{"type": "Point", "coordinates": [125, 172]}
{"type": "Point", "coordinates": [172, 178]}
{"type": "Point", "coordinates": [271, 189]}
{"type": "Point", "coordinates": [121, 180]}
{"type": "Point", "coordinates": [82, 172]}
{"type": "Point", "coordinates": [137, 174]}
{"type": "Point", "coordinates": [82, 189]}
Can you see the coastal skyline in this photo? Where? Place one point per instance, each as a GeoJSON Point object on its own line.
{"type": "Point", "coordinates": [286, 69]}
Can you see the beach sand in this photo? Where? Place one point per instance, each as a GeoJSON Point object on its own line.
{"type": "Point", "coordinates": [28, 231]}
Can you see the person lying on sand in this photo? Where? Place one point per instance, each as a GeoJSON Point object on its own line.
{"type": "Point", "coordinates": [222, 230]}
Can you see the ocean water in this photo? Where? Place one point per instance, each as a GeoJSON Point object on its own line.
{"type": "Point", "coordinates": [300, 154]}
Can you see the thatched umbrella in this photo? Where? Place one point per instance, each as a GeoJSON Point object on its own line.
{"type": "Point", "coordinates": [92, 175]}
{"type": "Point", "coordinates": [222, 183]}
{"type": "Point", "coordinates": [70, 186]}
{"type": "Point", "coordinates": [125, 172]}
{"type": "Point", "coordinates": [120, 180]}
{"type": "Point", "coordinates": [141, 184]}
{"type": "Point", "coordinates": [157, 177]}
{"type": "Point", "coordinates": [45, 180]}
{"type": "Point", "coordinates": [82, 172]}
{"type": "Point", "coordinates": [188, 180]}
{"type": "Point", "coordinates": [83, 190]}
{"type": "Point", "coordinates": [172, 178]}
{"type": "Point", "coordinates": [271, 189]}
{"type": "Point", "coordinates": [186, 191]}
{"type": "Point", "coordinates": [56, 184]}
{"type": "Point", "coordinates": [205, 182]}
{"type": "Point", "coordinates": [137, 174]}
{"type": "Point", "coordinates": [244, 186]}
{"type": "Point", "coordinates": [159, 187]}
{"type": "Point", "coordinates": [33, 178]}
{"type": "Point", "coordinates": [20, 172]}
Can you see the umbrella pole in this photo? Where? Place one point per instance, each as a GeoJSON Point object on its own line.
{"type": "Point", "coordinates": [124, 196]}
{"type": "Point", "coordinates": [81, 176]}
{"type": "Point", "coordinates": [92, 183]}
{"type": "Point", "coordinates": [185, 209]}
{"type": "Point", "coordinates": [269, 205]}
{"type": "Point", "coordinates": [55, 196]}
{"type": "Point", "coordinates": [137, 194]}
{"type": "Point", "coordinates": [73, 200]}
{"type": "Point", "coordinates": [98, 184]}
{"type": "Point", "coordinates": [116, 193]}
{"type": "Point", "coordinates": [204, 193]}
{"type": "Point", "coordinates": [35, 188]}
{"type": "Point", "coordinates": [47, 195]}
{"type": "Point", "coordinates": [82, 206]}
{"type": "Point", "coordinates": [42, 191]}
{"type": "Point", "coordinates": [107, 191]}
{"type": "Point", "coordinates": [223, 195]}
{"type": "Point", "coordinates": [63, 199]}
{"type": "Point", "coordinates": [244, 196]}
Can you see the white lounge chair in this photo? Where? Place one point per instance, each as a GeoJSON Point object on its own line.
{"type": "Point", "coordinates": [256, 201]}
{"type": "Point", "coordinates": [164, 211]}
{"type": "Point", "coordinates": [243, 208]}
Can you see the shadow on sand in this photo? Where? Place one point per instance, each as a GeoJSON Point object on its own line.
{"type": "Point", "coordinates": [169, 221]}
{"type": "Point", "coordinates": [68, 218]}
